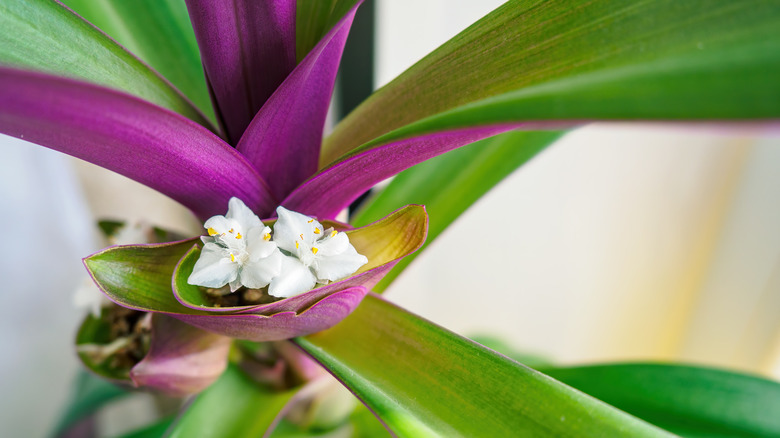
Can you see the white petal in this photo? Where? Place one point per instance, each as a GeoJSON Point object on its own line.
{"type": "Point", "coordinates": [257, 274]}
{"type": "Point", "coordinates": [331, 246]}
{"type": "Point", "coordinates": [339, 266]}
{"type": "Point", "coordinates": [213, 268]}
{"type": "Point", "coordinates": [293, 226]}
{"type": "Point", "coordinates": [220, 224]}
{"type": "Point", "coordinates": [235, 284]}
{"type": "Point", "coordinates": [256, 244]}
{"type": "Point", "coordinates": [294, 279]}
{"type": "Point", "coordinates": [239, 212]}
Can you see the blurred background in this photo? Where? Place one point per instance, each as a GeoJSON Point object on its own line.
{"type": "Point", "coordinates": [620, 242]}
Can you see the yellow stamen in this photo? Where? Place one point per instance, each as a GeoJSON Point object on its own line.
{"type": "Point", "coordinates": [301, 236]}
{"type": "Point", "coordinates": [232, 257]}
{"type": "Point", "coordinates": [238, 236]}
{"type": "Point", "coordinates": [296, 245]}
{"type": "Point", "coordinates": [333, 233]}
{"type": "Point", "coordinates": [230, 231]}
{"type": "Point", "coordinates": [267, 237]}
{"type": "Point", "coordinates": [212, 232]}
{"type": "Point", "coordinates": [317, 231]}
{"type": "Point", "coordinates": [314, 250]}
{"type": "Point", "coordinates": [310, 221]}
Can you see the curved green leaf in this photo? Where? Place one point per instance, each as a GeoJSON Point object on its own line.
{"type": "Point", "coordinates": [423, 380]}
{"type": "Point", "coordinates": [579, 61]}
{"type": "Point", "coordinates": [448, 184]}
{"type": "Point", "coordinates": [154, 430]}
{"type": "Point", "coordinates": [157, 31]}
{"type": "Point", "coordinates": [45, 36]}
{"type": "Point", "coordinates": [234, 406]}
{"type": "Point", "coordinates": [139, 276]}
{"type": "Point", "coordinates": [313, 19]}
{"type": "Point", "coordinates": [689, 401]}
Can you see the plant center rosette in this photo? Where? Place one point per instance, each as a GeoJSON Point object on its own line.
{"type": "Point", "coordinates": [247, 279]}
{"type": "Point", "coordinates": [153, 278]}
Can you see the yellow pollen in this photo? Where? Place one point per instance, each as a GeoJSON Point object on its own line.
{"type": "Point", "coordinates": [333, 233]}
{"type": "Point", "coordinates": [212, 232]}
{"type": "Point", "coordinates": [267, 237]}
{"type": "Point", "coordinates": [230, 231]}
{"type": "Point", "coordinates": [301, 236]}
{"type": "Point", "coordinates": [310, 221]}
{"type": "Point", "coordinates": [238, 236]}
{"type": "Point", "coordinates": [296, 245]}
{"type": "Point", "coordinates": [317, 231]}
{"type": "Point", "coordinates": [314, 250]}
{"type": "Point", "coordinates": [232, 257]}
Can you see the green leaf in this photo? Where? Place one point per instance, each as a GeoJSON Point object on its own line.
{"type": "Point", "coordinates": [234, 406]}
{"type": "Point", "coordinates": [313, 19]}
{"type": "Point", "coordinates": [689, 401]}
{"type": "Point", "coordinates": [90, 393]}
{"type": "Point", "coordinates": [448, 184]}
{"type": "Point", "coordinates": [44, 35]}
{"type": "Point", "coordinates": [154, 430]}
{"type": "Point", "coordinates": [534, 361]}
{"type": "Point", "coordinates": [157, 31]}
{"type": "Point", "coordinates": [139, 276]}
{"type": "Point", "coordinates": [422, 380]}
{"type": "Point", "coordinates": [580, 61]}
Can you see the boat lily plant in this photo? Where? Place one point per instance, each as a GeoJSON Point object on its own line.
{"type": "Point", "coordinates": [223, 110]}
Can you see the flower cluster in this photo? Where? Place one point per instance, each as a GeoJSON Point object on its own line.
{"type": "Point", "coordinates": [242, 251]}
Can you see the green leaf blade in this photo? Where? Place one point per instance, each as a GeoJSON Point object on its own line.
{"type": "Point", "coordinates": [159, 33]}
{"type": "Point", "coordinates": [422, 380]}
{"type": "Point", "coordinates": [723, 56]}
{"type": "Point", "coordinates": [45, 36]}
{"type": "Point", "coordinates": [313, 19]}
{"type": "Point", "coordinates": [234, 406]}
{"type": "Point", "coordinates": [687, 400]}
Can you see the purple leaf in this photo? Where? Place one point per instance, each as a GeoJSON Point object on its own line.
{"type": "Point", "coordinates": [248, 48]}
{"type": "Point", "coordinates": [284, 138]}
{"type": "Point", "coordinates": [260, 328]}
{"type": "Point", "coordinates": [333, 188]}
{"type": "Point", "coordinates": [182, 359]}
{"type": "Point", "coordinates": [130, 136]}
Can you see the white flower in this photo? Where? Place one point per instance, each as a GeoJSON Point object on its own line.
{"type": "Point", "coordinates": [238, 251]}
{"type": "Point", "coordinates": [312, 254]}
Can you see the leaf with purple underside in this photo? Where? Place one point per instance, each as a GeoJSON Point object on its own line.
{"type": "Point", "coordinates": [601, 60]}
{"type": "Point", "coordinates": [324, 314]}
{"type": "Point", "coordinates": [182, 359]}
{"type": "Point", "coordinates": [283, 141]}
{"type": "Point", "coordinates": [248, 48]}
{"type": "Point", "coordinates": [45, 36]}
{"type": "Point", "coordinates": [332, 189]}
{"type": "Point", "coordinates": [130, 136]}
{"type": "Point", "coordinates": [139, 276]}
